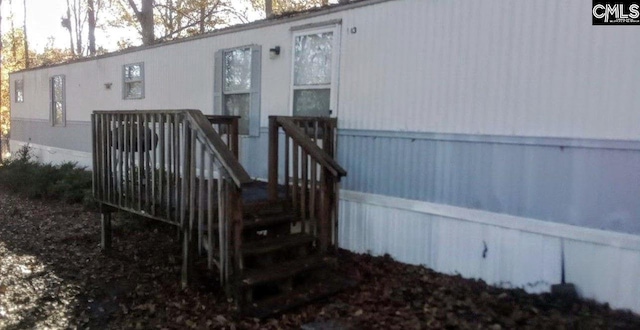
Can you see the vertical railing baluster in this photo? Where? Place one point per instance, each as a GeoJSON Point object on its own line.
{"type": "Point", "coordinates": [139, 137]}
{"type": "Point", "coordinates": [287, 191]}
{"type": "Point", "coordinates": [191, 145]}
{"type": "Point", "coordinates": [201, 198]}
{"type": "Point", "coordinates": [169, 165]}
{"type": "Point", "coordinates": [161, 165]}
{"type": "Point", "coordinates": [109, 147]}
{"type": "Point", "coordinates": [121, 161]}
{"type": "Point", "coordinates": [235, 143]}
{"type": "Point", "coordinates": [296, 172]}
{"type": "Point", "coordinates": [105, 156]}
{"type": "Point", "coordinates": [186, 171]}
{"type": "Point", "coordinates": [273, 159]}
{"type": "Point", "coordinates": [146, 162]}
{"type": "Point", "coordinates": [210, 214]}
{"type": "Point", "coordinates": [99, 155]}
{"type": "Point", "coordinates": [304, 188]}
{"type": "Point", "coordinates": [153, 147]}
{"type": "Point", "coordinates": [95, 171]}
{"type": "Point", "coordinates": [222, 226]}
{"type": "Point", "coordinates": [132, 162]}
{"type": "Point", "coordinates": [176, 161]}
{"type": "Point", "coordinates": [312, 195]}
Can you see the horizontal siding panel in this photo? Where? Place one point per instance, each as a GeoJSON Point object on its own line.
{"type": "Point", "coordinates": [523, 68]}
{"type": "Point", "coordinates": [591, 187]}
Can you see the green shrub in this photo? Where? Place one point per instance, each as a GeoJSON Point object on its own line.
{"type": "Point", "coordinates": [66, 182]}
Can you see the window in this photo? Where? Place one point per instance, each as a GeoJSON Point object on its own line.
{"type": "Point", "coordinates": [314, 73]}
{"type": "Point", "coordinates": [133, 81]}
{"type": "Point", "coordinates": [19, 91]}
{"type": "Point", "coordinates": [237, 86]}
{"type": "Point", "coordinates": [58, 104]}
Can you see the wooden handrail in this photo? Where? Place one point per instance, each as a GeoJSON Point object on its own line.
{"type": "Point", "coordinates": [319, 155]}
{"type": "Point", "coordinates": [216, 145]}
{"type": "Point", "coordinates": [229, 126]}
{"type": "Point", "coordinates": [311, 174]}
{"type": "Point", "coordinates": [213, 140]}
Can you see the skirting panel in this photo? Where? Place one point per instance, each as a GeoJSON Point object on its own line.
{"type": "Point", "coordinates": [46, 154]}
{"type": "Point", "coordinates": [604, 265]}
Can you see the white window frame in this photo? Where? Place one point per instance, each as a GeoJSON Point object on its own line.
{"type": "Point", "coordinates": [19, 86]}
{"type": "Point", "coordinates": [52, 101]}
{"type": "Point", "coordinates": [126, 81]}
{"type": "Point", "coordinates": [237, 92]}
{"type": "Point", "coordinates": [253, 91]}
{"type": "Point", "coordinates": [335, 66]}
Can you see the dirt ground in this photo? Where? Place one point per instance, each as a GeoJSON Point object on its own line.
{"type": "Point", "coordinates": [53, 275]}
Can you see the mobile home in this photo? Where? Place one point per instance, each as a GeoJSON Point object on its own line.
{"type": "Point", "coordinates": [495, 139]}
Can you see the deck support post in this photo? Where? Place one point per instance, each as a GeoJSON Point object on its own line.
{"type": "Point", "coordinates": [325, 212]}
{"type": "Point", "coordinates": [105, 235]}
{"type": "Point", "coordinates": [189, 253]}
{"type": "Point", "coordinates": [235, 199]}
{"type": "Point", "coordinates": [272, 189]}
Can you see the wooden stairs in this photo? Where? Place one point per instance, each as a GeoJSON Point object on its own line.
{"type": "Point", "coordinates": [271, 242]}
{"type": "Point", "coordinates": [278, 261]}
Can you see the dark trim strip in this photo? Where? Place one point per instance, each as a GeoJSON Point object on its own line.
{"type": "Point", "coordinates": [540, 141]}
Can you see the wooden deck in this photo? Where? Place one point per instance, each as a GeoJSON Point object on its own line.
{"type": "Point", "coordinates": [181, 167]}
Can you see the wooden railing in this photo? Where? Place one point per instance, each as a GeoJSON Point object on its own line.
{"type": "Point", "coordinates": [311, 175]}
{"type": "Point", "coordinates": [166, 165]}
{"type": "Point", "coordinates": [227, 127]}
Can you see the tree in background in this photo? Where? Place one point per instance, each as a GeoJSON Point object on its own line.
{"type": "Point", "coordinates": [277, 7]}
{"type": "Point", "coordinates": [179, 18]}
{"type": "Point", "coordinates": [24, 29]}
{"type": "Point", "coordinates": [92, 16]}
{"type": "Point", "coordinates": [137, 13]}
{"type": "Point", "coordinates": [162, 20]}
{"type": "Point", "coordinates": [81, 13]}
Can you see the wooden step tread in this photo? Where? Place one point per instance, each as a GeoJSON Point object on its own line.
{"type": "Point", "coordinates": [268, 245]}
{"type": "Point", "coordinates": [266, 207]}
{"type": "Point", "coordinates": [284, 270]}
{"type": "Point", "coordinates": [323, 284]}
{"type": "Point", "coordinates": [266, 221]}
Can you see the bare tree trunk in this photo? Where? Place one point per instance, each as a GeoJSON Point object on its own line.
{"type": "Point", "coordinates": [268, 8]}
{"type": "Point", "coordinates": [145, 18]}
{"type": "Point", "coordinates": [66, 23]}
{"type": "Point", "coordinates": [202, 19]}
{"type": "Point", "coordinates": [91, 13]}
{"type": "Point", "coordinates": [77, 16]}
{"type": "Point", "coordinates": [26, 42]}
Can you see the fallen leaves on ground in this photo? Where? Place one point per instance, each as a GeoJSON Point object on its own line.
{"type": "Point", "coordinates": [53, 275]}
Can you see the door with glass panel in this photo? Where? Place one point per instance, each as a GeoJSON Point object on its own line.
{"type": "Point", "coordinates": [315, 72]}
